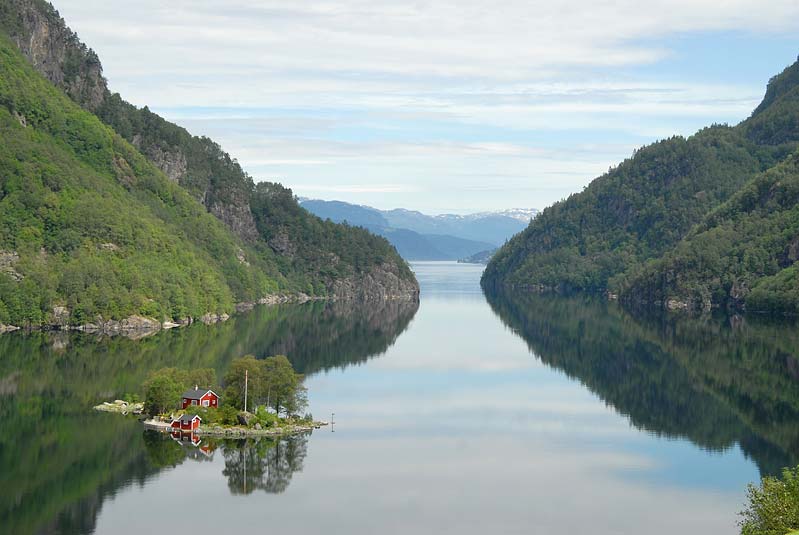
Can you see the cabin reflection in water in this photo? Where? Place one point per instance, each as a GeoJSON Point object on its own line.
{"type": "Point", "coordinates": [184, 438]}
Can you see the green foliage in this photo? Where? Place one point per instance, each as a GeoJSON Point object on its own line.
{"type": "Point", "coordinates": [244, 372]}
{"type": "Point", "coordinates": [636, 211]}
{"type": "Point", "coordinates": [164, 387]}
{"type": "Point", "coordinates": [266, 418]}
{"type": "Point", "coordinates": [743, 252]}
{"type": "Point", "coordinates": [773, 507]}
{"type": "Point", "coordinates": [315, 253]}
{"type": "Point", "coordinates": [162, 394]}
{"type": "Point", "coordinates": [224, 415]}
{"type": "Point", "coordinates": [99, 229]}
{"type": "Point", "coordinates": [272, 381]}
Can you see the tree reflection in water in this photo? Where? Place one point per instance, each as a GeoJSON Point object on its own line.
{"type": "Point", "coordinates": [716, 380]}
{"type": "Point", "coordinates": [266, 464]}
{"type": "Point", "coordinates": [263, 464]}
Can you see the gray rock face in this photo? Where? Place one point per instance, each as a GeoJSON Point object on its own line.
{"type": "Point", "coordinates": [132, 327]}
{"type": "Point", "coordinates": [245, 418]}
{"type": "Point", "coordinates": [172, 163]}
{"type": "Point", "coordinates": [57, 53]}
{"type": "Point", "coordinates": [382, 283]}
{"type": "Point", "coordinates": [282, 245]}
{"type": "Point", "coordinates": [236, 215]}
{"type": "Point", "coordinates": [210, 318]}
{"type": "Point", "coordinates": [8, 260]}
{"type": "Point", "coordinates": [60, 317]}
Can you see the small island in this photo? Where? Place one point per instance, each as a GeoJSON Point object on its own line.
{"type": "Point", "coordinates": [262, 397]}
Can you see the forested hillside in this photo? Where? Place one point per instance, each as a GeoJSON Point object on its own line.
{"type": "Point", "coordinates": [743, 253]}
{"type": "Point", "coordinates": [88, 224]}
{"type": "Point", "coordinates": [138, 217]}
{"type": "Point", "coordinates": [600, 238]}
{"type": "Point", "coordinates": [285, 248]}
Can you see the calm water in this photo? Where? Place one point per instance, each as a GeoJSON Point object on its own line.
{"type": "Point", "coordinates": [472, 414]}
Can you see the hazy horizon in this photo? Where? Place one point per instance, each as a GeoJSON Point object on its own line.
{"type": "Point", "coordinates": [450, 108]}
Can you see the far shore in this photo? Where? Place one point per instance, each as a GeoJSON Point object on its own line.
{"type": "Point", "coordinates": [136, 327]}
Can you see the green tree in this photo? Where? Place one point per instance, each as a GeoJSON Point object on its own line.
{"type": "Point", "coordinates": [272, 381]}
{"type": "Point", "coordinates": [773, 506]}
{"type": "Point", "coordinates": [203, 377]}
{"type": "Point", "coordinates": [283, 384]}
{"type": "Point", "coordinates": [162, 393]}
{"type": "Point", "coordinates": [235, 381]}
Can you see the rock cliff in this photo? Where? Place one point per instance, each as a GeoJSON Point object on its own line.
{"type": "Point", "coordinates": [57, 53]}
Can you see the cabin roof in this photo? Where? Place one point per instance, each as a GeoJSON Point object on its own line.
{"type": "Point", "coordinates": [197, 393]}
{"type": "Point", "coordinates": [187, 418]}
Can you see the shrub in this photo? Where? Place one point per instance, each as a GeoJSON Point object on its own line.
{"type": "Point", "coordinates": [265, 418]}
{"type": "Point", "coordinates": [773, 506]}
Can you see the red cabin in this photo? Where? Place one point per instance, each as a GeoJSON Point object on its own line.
{"type": "Point", "coordinates": [201, 397]}
{"type": "Point", "coordinates": [187, 422]}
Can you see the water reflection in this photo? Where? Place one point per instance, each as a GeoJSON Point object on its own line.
{"type": "Point", "coordinates": [59, 460]}
{"type": "Point", "coordinates": [717, 381]}
{"type": "Point", "coordinates": [264, 463]}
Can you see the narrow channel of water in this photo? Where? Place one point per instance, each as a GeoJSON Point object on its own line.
{"type": "Point", "coordinates": [472, 414]}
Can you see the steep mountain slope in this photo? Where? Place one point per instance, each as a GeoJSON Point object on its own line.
{"type": "Point", "coordinates": [743, 254]}
{"type": "Point", "coordinates": [644, 207]}
{"type": "Point", "coordinates": [89, 227]}
{"type": "Point", "coordinates": [211, 176]}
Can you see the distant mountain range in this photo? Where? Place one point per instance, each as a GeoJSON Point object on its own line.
{"type": "Point", "coordinates": [419, 236]}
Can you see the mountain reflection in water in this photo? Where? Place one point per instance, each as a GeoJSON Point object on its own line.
{"type": "Point", "coordinates": [496, 413]}
{"type": "Point", "coordinates": [718, 381]}
{"type": "Point", "coordinates": [59, 460]}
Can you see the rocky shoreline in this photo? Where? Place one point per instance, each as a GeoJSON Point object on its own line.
{"type": "Point", "coordinates": [119, 406]}
{"type": "Point", "coordinates": [218, 431]}
{"type": "Point", "coordinates": [383, 283]}
{"type": "Point", "coordinates": [135, 327]}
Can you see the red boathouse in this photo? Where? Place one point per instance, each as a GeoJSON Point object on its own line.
{"type": "Point", "coordinates": [187, 422]}
{"type": "Point", "coordinates": [201, 397]}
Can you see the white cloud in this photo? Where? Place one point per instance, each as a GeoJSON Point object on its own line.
{"type": "Point", "coordinates": [417, 73]}
{"type": "Point", "coordinates": [355, 188]}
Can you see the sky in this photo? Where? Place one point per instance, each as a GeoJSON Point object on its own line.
{"type": "Point", "coordinates": [442, 107]}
